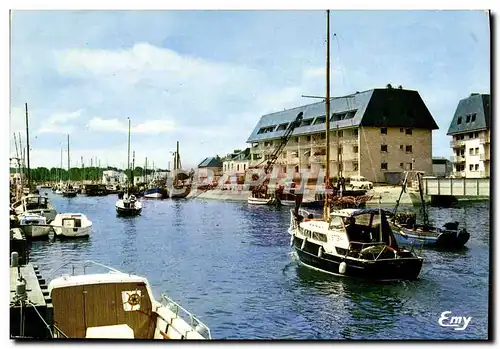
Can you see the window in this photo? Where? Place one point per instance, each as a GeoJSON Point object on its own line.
{"type": "Point", "coordinates": [296, 139]}
{"type": "Point", "coordinates": [409, 131]}
{"type": "Point", "coordinates": [322, 135]}
{"type": "Point", "coordinates": [340, 149]}
{"type": "Point", "coordinates": [401, 130]}
{"type": "Point", "coordinates": [476, 167]}
{"type": "Point", "coordinates": [282, 127]}
{"type": "Point", "coordinates": [308, 138]}
{"type": "Point", "coordinates": [383, 147]}
{"type": "Point", "coordinates": [268, 144]}
{"type": "Point", "coordinates": [476, 134]}
{"type": "Point", "coordinates": [471, 135]}
{"type": "Point", "coordinates": [354, 166]}
{"type": "Point", "coordinates": [477, 151]}
{"type": "Point", "coordinates": [320, 120]}
{"type": "Point", "coordinates": [244, 167]}
{"type": "Point", "coordinates": [306, 122]}
{"type": "Point", "coordinates": [467, 118]}
{"type": "Point", "coordinates": [401, 165]}
{"type": "Point", "coordinates": [383, 130]}
{"type": "Point", "coordinates": [471, 167]}
{"type": "Point", "coordinates": [340, 133]}
{"type": "Point", "coordinates": [284, 169]}
{"type": "Point", "coordinates": [383, 166]}
{"type": "Point", "coordinates": [355, 149]}
{"type": "Point", "coordinates": [401, 147]}
{"type": "Point", "coordinates": [237, 167]}
{"type": "Point", "coordinates": [459, 120]}
{"type": "Point", "coordinates": [471, 151]}
{"type": "Point", "coordinates": [409, 149]}
{"type": "Point", "coordinates": [473, 117]}
{"type": "Point", "coordinates": [308, 167]}
{"type": "Point", "coordinates": [355, 132]}
{"type": "Point", "coordinates": [409, 166]}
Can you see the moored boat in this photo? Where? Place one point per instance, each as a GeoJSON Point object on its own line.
{"type": "Point", "coordinates": [364, 249]}
{"type": "Point", "coordinates": [118, 306]}
{"type": "Point", "coordinates": [155, 193]}
{"type": "Point", "coordinates": [34, 226]}
{"type": "Point", "coordinates": [35, 204]}
{"type": "Point", "coordinates": [72, 225]}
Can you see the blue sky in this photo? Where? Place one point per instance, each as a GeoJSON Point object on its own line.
{"type": "Point", "coordinates": [204, 78]}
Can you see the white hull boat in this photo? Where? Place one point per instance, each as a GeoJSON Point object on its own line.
{"type": "Point", "coordinates": [262, 201]}
{"type": "Point", "coordinates": [72, 225]}
{"type": "Point", "coordinates": [34, 226]}
{"type": "Point", "coordinates": [118, 306]}
{"type": "Point", "coordinates": [35, 204]}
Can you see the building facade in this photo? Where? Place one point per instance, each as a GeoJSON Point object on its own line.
{"type": "Point", "coordinates": [377, 134]}
{"type": "Point", "coordinates": [441, 167]}
{"type": "Point", "coordinates": [111, 177]}
{"type": "Point", "coordinates": [470, 132]}
{"type": "Point", "coordinates": [236, 163]}
{"type": "Point", "coordinates": [210, 168]}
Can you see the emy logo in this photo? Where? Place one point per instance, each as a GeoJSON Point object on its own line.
{"type": "Point", "coordinates": [459, 323]}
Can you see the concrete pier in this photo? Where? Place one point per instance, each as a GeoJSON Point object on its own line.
{"type": "Point", "coordinates": [19, 244]}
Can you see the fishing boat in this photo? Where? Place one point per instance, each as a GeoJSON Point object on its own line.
{"type": "Point", "coordinates": [408, 232]}
{"type": "Point", "coordinates": [72, 225]}
{"type": "Point", "coordinates": [34, 226]}
{"type": "Point", "coordinates": [116, 305]}
{"type": "Point", "coordinates": [35, 204]}
{"type": "Point", "coordinates": [352, 242]}
{"type": "Point", "coordinates": [128, 206]}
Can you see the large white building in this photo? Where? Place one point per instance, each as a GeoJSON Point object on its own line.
{"type": "Point", "coordinates": [111, 177]}
{"type": "Point", "coordinates": [470, 131]}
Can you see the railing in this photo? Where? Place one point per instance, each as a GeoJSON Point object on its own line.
{"type": "Point", "coordinates": [456, 143]}
{"type": "Point", "coordinates": [484, 139]}
{"type": "Point", "coordinates": [190, 319]}
{"type": "Point", "coordinates": [458, 158]}
{"type": "Point", "coordinates": [484, 157]}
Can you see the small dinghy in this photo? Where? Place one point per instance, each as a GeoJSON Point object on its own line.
{"type": "Point", "coordinates": [128, 206]}
{"type": "Point", "coordinates": [34, 226]}
{"type": "Point", "coordinates": [72, 225]}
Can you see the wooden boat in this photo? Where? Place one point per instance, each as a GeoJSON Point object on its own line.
{"type": "Point", "coordinates": [35, 204]}
{"type": "Point", "coordinates": [364, 249]}
{"type": "Point", "coordinates": [72, 225]}
{"type": "Point", "coordinates": [408, 232]}
{"type": "Point", "coordinates": [115, 305]}
{"type": "Point", "coordinates": [128, 206]}
{"type": "Point", "coordinates": [34, 226]}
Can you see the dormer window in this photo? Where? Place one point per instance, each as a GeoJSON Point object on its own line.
{"type": "Point", "coordinates": [459, 120]}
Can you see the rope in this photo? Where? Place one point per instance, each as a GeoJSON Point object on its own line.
{"type": "Point", "coordinates": [41, 317]}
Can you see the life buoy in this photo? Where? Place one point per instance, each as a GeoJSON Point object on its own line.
{"type": "Point", "coordinates": [342, 267]}
{"type": "Point", "coordinates": [303, 244]}
{"type": "Point", "coordinates": [320, 251]}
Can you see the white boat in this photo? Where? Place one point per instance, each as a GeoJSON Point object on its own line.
{"type": "Point", "coordinates": [128, 206]}
{"type": "Point", "coordinates": [35, 204]}
{"type": "Point", "coordinates": [34, 226]}
{"type": "Point", "coordinates": [119, 306]}
{"type": "Point", "coordinates": [72, 225]}
{"type": "Point", "coordinates": [269, 200]}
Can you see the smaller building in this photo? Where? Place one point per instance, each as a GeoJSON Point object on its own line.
{"type": "Point", "coordinates": [441, 167]}
{"type": "Point", "coordinates": [112, 177]}
{"type": "Point", "coordinates": [235, 164]}
{"type": "Point", "coordinates": [210, 167]}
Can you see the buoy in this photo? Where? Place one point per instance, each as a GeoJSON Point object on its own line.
{"type": "Point", "coordinates": [303, 244]}
{"type": "Point", "coordinates": [21, 289]}
{"type": "Point", "coordinates": [342, 268]}
{"type": "Point", "coordinates": [320, 251]}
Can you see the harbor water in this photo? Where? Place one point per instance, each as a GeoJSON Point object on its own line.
{"type": "Point", "coordinates": [231, 265]}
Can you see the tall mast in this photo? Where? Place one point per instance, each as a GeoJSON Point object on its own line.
{"type": "Point", "coordinates": [28, 146]}
{"type": "Point", "coordinates": [177, 157]}
{"type": "Point", "coordinates": [128, 148]}
{"type": "Point", "coordinates": [68, 157]}
{"type": "Point", "coordinates": [61, 163]}
{"type": "Point", "coordinates": [327, 107]}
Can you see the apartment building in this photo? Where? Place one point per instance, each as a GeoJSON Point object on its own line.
{"type": "Point", "coordinates": [470, 131]}
{"type": "Point", "coordinates": [210, 167]}
{"type": "Point", "coordinates": [377, 134]}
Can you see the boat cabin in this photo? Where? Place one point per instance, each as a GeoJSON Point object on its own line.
{"type": "Point", "coordinates": [32, 202]}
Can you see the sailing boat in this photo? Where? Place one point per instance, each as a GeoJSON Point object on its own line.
{"type": "Point", "coordinates": [407, 232]}
{"type": "Point", "coordinates": [68, 190]}
{"type": "Point", "coordinates": [349, 242]}
{"type": "Point", "coordinates": [180, 189]}
{"type": "Point", "coordinates": [128, 205]}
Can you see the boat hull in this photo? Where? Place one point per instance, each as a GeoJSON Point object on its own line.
{"type": "Point", "coordinates": [123, 210]}
{"type": "Point", "coordinates": [380, 270]}
{"type": "Point", "coordinates": [155, 193]}
{"type": "Point", "coordinates": [262, 201]}
{"type": "Point", "coordinates": [49, 213]}
{"type": "Point", "coordinates": [73, 232]}
{"type": "Point", "coordinates": [444, 239]}
{"type": "Point", "coordinates": [36, 231]}
{"type": "Point", "coordinates": [69, 194]}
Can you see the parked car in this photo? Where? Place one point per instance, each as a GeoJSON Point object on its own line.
{"type": "Point", "coordinates": [360, 182]}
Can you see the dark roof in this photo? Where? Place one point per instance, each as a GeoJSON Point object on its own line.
{"type": "Point", "coordinates": [242, 155]}
{"type": "Point", "coordinates": [377, 107]}
{"type": "Point", "coordinates": [210, 162]}
{"type": "Point", "coordinates": [476, 104]}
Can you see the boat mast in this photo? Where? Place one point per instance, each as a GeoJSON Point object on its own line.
{"type": "Point", "coordinates": [128, 150]}
{"type": "Point", "coordinates": [68, 158]}
{"type": "Point", "coordinates": [177, 157]}
{"type": "Point", "coordinates": [60, 179]}
{"type": "Point", "coordinates": [28, 147]}
{"type": "Point", "coordinates": [327, 107]}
